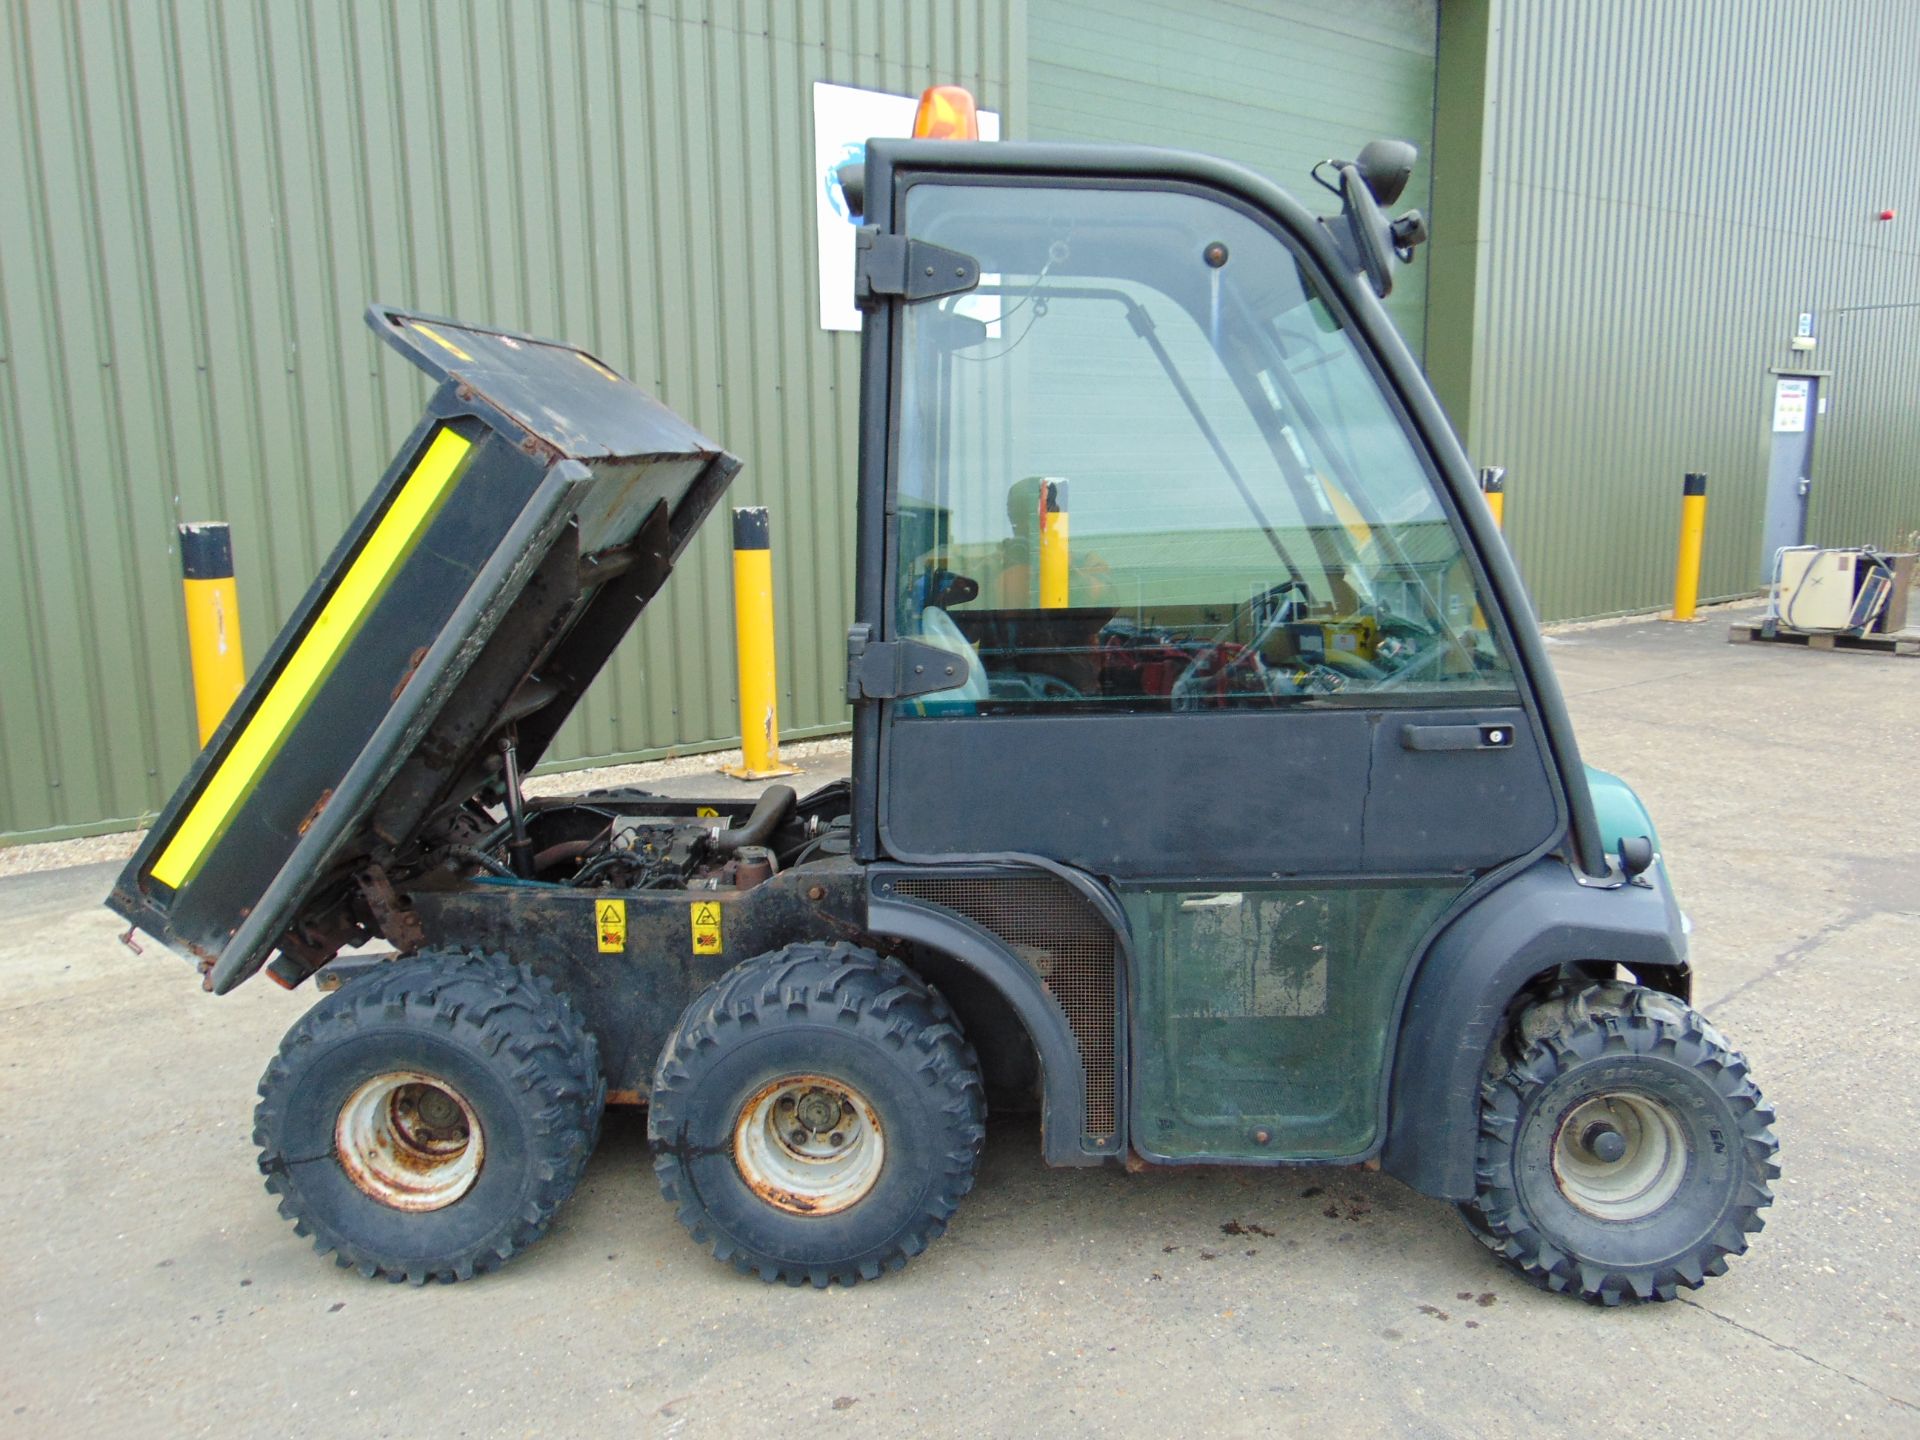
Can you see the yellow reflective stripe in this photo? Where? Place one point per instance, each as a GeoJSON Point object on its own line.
{"type": "Point", "coordinates": [313, 658]}
{"type": "Point", "coordinates": [442, 341]}
{"type": "Point", "coordinates": [593, 364]}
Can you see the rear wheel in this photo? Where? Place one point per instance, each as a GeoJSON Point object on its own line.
{"type": "Point", "coordinates": [1623, 1151]}
{"type": "Point", "coordinates": [816, 1116]}
{"type": "Point", "coordinates": [428, 1119]}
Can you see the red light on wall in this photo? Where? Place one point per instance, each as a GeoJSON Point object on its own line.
{"type": "Point", "coordinates": [1886, 214]}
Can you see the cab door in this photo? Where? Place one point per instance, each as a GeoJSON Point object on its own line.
{"type": "Point", "coordinates": [1225, 645]}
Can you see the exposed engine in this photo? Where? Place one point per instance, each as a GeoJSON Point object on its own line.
{"type": "Point", "coordinates": [630, 840]}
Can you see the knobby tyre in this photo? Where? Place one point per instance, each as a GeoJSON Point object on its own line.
{"type": "Point", "coordinates": [817, 1115]}
{"type": "Point", "coordinates": [1624, 1152]}
{"type": "Point", "coordinates": [428, 1120]}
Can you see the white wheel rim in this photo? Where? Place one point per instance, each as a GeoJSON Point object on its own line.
{"type": "Point", "coordinates": [410, 1141]}
{"type": "Point", "coordinates": [1652, 1163]}
{"type": "Point", "coordinates": [809, 1145]}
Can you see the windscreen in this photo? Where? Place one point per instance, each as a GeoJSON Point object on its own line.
{"type": "Point", "coordinates": [1145, 465]}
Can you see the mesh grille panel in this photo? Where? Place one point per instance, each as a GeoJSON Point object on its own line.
{"type": "Point", "coordinates": [1053, 929]}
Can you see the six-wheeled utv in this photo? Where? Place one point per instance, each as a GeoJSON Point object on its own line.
{"type": "Point", "coordinates": [1240, 823]}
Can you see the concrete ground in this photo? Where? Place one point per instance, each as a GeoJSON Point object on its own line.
{"type": "Point", "coordinates": [148, 1288]}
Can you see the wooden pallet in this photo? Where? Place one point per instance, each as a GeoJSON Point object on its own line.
{"type": "Point", "coordinates": [1748, 633]}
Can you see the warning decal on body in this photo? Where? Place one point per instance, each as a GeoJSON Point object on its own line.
{"type": "Point", "coordinates": [610, 924]}
{"type": "Point", "coordinates": [706, 812]}
{"type": "Point", "coordinates": [706, 927]}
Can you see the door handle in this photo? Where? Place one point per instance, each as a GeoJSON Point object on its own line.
{"type": "Point", "coordinates": [1221, 901]}
{"type": "Point", "coordinates": [1457, 737]}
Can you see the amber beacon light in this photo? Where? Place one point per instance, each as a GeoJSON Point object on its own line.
{"type": "Point", "coordinates": [946, 112]}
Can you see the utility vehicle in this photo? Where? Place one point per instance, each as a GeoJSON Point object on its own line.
{"type": "Point", "coordinates": [1241, 823]}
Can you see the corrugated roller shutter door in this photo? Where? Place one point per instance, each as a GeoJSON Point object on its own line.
{"type": "Point", "coordinates": [1273, 86]}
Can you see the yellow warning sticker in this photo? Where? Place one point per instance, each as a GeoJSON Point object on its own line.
{"type": "Point", "coordinates": [706, 812]}
{"type": "Point", "coordinates": [610, 924]}
{"type": "Point", "coordinates": [706, 927]}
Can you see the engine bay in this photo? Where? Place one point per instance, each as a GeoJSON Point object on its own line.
{"type": "Point", "coordinates": [633, 840]}
{"type": "Point", "coordinates": [616, 841]}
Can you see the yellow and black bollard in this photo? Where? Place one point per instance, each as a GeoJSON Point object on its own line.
{"type": "Point", "coordinates": [213, 622]}
{"type": "Point", "coordinates": [1493, 485]}
{"type": "Point", "coordinates": [1056, 562]}
{"type": "Point", "coordinates": [753, 635]}
{"type": "Point", "coordinates": [1693, 531]}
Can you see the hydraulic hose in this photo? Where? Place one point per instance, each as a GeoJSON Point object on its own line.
{"type": "Point", "coordinates": [469, 855]}
{"type": "Point", "coordinates": [776, 802]}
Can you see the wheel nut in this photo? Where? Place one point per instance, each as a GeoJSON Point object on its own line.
{"type": "Point", "coordinates": [1604, 1143]}
{"type": "Point", "coordinates": [836, 1139]}
{"type": "Point", "coordinates": [799, 1137]}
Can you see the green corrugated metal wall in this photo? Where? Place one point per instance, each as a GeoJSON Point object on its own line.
{"type": "Point", "coordinates": [1663, 189]}
{"type": "Point", "coordinates": [1634, 200]}
{"type": "Point", "coordinates": [1276, 86]}
{"type": "Point", "coordinates": [204, 194]}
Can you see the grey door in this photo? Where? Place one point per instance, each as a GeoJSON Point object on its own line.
{"type": "Point", "coordinates": [1795, 411]}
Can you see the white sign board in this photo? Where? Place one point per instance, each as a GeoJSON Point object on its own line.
{"type": "Point", "coordinates": [844, 119]}
{"type": "Point", "coordinates": [1790, 406]}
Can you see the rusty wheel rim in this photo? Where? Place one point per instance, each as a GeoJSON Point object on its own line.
{"type": "Point", "coordinates": [410, 1141]}
{"type": "Point", "coordinates": [809, 1145]}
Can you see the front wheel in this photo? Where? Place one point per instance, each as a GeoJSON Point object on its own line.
{"type": "Point", "coordinates": [1623, 1150]}
{"type": "Point", "coordinates": [816, 1116]}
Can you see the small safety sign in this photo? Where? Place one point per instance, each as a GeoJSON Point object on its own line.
{"type": "Point", "coordinates": [610, 924]}
{"type": "Point", "coordinates": [706, 927]}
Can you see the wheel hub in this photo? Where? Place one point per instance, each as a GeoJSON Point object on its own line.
{"type": "Point", "coordinates": [1619, 1156]}
{"type": "Point", "coordinates": [409, 1141]}
{"type": "Point", "coordinates": [809, 1145]}
{"type": "Point", "coordinates": [435, 1107]}
{"type": "Point", "coordinates": [1604, 1143]}
{"type": "Point", "coordinates": [818, 1110]}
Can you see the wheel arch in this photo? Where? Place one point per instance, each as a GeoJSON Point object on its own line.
{"type": "Point", "coordinates": [1533, 925]}
{"type": "Point", "coordinates": [1062, 1074]}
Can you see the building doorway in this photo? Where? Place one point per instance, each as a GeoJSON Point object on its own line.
{"type": "Point", "coordinates": [1795, 411]}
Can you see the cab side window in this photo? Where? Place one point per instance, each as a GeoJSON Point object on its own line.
{"type": "Point", "coordinates": [1144, 468]}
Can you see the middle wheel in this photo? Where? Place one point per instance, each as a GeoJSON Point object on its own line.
{"type": "Point", "coordinates": [817, 1115]}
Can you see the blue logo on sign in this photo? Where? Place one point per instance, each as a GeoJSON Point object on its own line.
{"type": "Point", "coordinates": [836, 192]}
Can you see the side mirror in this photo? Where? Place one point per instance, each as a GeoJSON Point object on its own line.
{"type": "Point", "coordinates": [1386, 166]}
{"type": "Point", "coordinates": [1377, 179]}
{"type": "Point", "coordinates": [1372, 239]}
{"type": "Point", "coordinates": [1636, 854]}
{"type": "Point", "coordinates": [947, 589]}
{"type": "Point", "coordinates": [852, 178]}
{"type": "Point", "coordinates": [950, 330]}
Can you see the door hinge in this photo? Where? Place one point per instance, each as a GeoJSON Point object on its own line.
{"type": "Point", "coordinates": [899, 669]}
{"type": "Point", "coordinates": [894, 267]}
